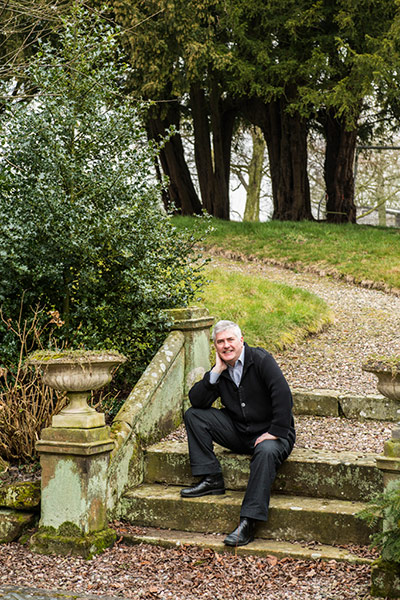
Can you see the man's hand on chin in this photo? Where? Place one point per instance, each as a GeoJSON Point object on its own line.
{"type": "Point", "coordinates": [220, 365]}
{"type": "Point", "coordinates": [265, 436]}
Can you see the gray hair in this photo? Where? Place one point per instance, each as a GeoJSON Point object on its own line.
{"type": "Point", "coordinates": [223, 325]}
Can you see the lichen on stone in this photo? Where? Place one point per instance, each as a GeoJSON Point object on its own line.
{"type": "Point", "coordinates": [384, 363]}
{"type": "Point", "coordinates": [80, 355]}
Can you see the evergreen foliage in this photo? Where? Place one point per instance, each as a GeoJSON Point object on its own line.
{"type": "Point", "coordinates": [81, 228]}
{"type": "Point", "coordinates": [286, 66]}
{"type": "Point", "coordinates": [386, 506]}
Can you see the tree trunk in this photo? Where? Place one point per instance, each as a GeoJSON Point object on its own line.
{"type": "Point", "coordinates": [202, 146]}
{"type": "Point", "coordinates": [222, 120]}
{"type": "Point", "coordinates": [181, 192]}
{"type": "Point", "coordinates": [213, 159]}
{"type": "Point", "coordinates": [252, 209]}
{"type": "Point", "coordinates": [338, 169]}
{"type": "Point", "coordinates": [380, 195]}
{"type": "Point", "coordinates": [286, 138]}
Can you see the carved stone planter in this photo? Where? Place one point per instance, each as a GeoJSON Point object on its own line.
{"type": "Point", "coordinates": [387, 370]}
{"type": "Point", "coordinates": [77, 373]}
{"type": "Point", "coordinates": [74, 455]}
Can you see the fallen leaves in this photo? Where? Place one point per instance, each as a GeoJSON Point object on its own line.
{"type": "Point", "coordinates": [184, 573]}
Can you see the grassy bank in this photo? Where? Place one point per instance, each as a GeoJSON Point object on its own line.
{"type": "Point", "coordinates": [271, 315]}
{"type": "Point", "coordinates": [366, 253]}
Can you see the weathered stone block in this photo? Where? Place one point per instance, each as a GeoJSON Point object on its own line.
{"type": "Point", "coordinates": [324, 474]}
{"type": "Point", "coordinates": [320, 403]}
{"type": "Point", "coordinates": [68, 540]}
{"type": "Point", "coordinates": [374, 407]}
{"type": "Point", "coordinates": [14, 523]}
{"type": "Point", "coordinates": [74, 477]}
{"type": "Point", "coordinates": [385, 579]}
{"type": "Point", "coordinates": [392, 449]}
{"type": "Point", "coordinates": [23, 495]}
{"type": "Point", "coordinates": [290, 518]}
{"type": "Point", "coordinates": [316, 473]}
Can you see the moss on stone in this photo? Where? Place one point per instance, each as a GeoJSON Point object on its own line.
{"type": "Point", "coordinates": [385, 363]}
{"type": "Point", "coordinates": [385, 579]}
{"type": "Point", "coordinates": [43, 356]}
{"type": "Point", "coordinates": [69, 529]}
{"type": "Point", "coordinates": [23, 495]}
{"type": "Point", "coordinates": [14, 523]}
{"type": "Point", "coordinates": [136, 462]}
{"type": "Point", "coordinates": [69, 540]}
{"type": "Point", "coordinates": [392, 448]}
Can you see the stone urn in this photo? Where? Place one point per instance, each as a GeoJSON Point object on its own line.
{"type": "Point", "coordinates": [387, 370]}
{"type": "Point", "coordinates": [77, 373]}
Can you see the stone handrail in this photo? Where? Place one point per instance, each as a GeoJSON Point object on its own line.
{"type": "Point", "coordinates": [133, 413]}
{"type": "Point", "coordinates": [155, 405]}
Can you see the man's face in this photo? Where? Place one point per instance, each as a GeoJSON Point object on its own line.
{"type": "Point", "coordinates": [228, 346]}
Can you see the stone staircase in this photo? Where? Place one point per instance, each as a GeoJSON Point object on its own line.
{"type": "Point", "coordinates": [313, 508]}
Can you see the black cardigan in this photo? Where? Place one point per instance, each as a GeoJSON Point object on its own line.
{"type": "Point", "coordinates": [262, 402]}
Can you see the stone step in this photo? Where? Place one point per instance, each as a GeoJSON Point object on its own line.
{"type": "Point", "coordinates": [330, 403]}
{"type": "Point", "coordinates": [316, 473]}
{"type": "Point", "coordinates": [259, 547]}
{"type": "Point", "coordinates": [290, 518]}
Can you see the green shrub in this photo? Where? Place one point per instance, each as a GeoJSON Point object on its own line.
{"type": "Point", "coordinates": [386, 506]}
{"type": "Point", "coordinates": [81, 228]}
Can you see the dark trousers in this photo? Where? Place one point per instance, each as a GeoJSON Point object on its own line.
{"type": "Point", "coordinates": [205, 426]}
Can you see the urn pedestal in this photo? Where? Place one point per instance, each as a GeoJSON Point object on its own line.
{"type": "Point", "coordinates": [385, 574]}
{"type": "Point", "coordinates": [74, 455]}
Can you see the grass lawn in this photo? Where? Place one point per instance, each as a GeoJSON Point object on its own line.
{"type": "Point", "coordinates": [271, 315]}
{"type": "Point", "coordinates": [364, 252]}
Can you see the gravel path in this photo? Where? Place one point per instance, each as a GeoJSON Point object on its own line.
{"type": "Point", "coordinates": [367, 321]}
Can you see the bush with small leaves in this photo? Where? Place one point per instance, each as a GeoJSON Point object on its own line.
{"type": "Point", "coordinates": [81, 225]}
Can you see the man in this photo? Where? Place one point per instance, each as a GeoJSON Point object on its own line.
{"type": "Point", "coordinates": [256, 419]}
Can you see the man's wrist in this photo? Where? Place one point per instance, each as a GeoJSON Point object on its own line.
{"type": "Point", "coordinates": [214, 375]}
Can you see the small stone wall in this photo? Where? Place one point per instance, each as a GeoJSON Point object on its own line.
{"type": "Point", "coordinates": [153, 408]}
{"type": "Point", "coordinates": [19, 509]}
{"type": "Point", "coordinates": [328, 403]}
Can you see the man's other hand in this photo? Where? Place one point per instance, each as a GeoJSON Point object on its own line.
{"type": "Point", "coordinates": [265, 436]}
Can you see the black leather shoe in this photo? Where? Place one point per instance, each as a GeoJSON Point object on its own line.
{"type": "Point", "coordinates": [243, 534]}
{"type": "Point", "coordinates": [210, 484]}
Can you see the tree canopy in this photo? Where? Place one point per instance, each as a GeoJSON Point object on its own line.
{"type": "Point", "coordinates": [284, 66]}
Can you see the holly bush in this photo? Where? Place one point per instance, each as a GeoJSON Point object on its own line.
{"type": "Point", "coordinates": [82, 231]}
